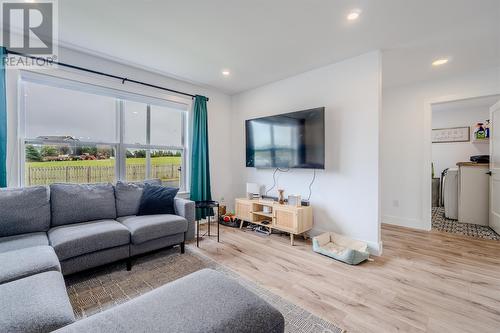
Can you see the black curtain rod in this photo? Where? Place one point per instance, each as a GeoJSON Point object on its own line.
{"type": "Point", "coordinates": [123, 79]}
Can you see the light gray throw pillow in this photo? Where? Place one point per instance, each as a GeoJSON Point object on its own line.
{"type": "Point", "coordinates": [128, 196]}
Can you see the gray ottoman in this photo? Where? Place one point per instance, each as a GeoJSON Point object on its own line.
{"type": "Point", "coordinates": [205, 301]}
{"type": "Point", "coordinates": [22, 263]}
{"type": "Point", "coordinates": [38, 303]}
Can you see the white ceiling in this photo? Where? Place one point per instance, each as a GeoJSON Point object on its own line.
{"type": "Point", "coordinates": [262, 41]}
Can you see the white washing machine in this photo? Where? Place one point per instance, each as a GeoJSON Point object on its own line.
{"type": "Point", "coordinates": [450, 193]}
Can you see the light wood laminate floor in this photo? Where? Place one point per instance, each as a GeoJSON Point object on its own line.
{"type": "Point", "coordinates": [424, 282]}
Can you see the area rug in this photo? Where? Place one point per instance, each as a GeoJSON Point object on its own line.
{"type": "Point", "coordinates": [96, 290]}
{"type": "Point", "coordinates": [441, 223]}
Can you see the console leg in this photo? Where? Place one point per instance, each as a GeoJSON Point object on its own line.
{"type": "Point", "coordinates": [291, 239]}
{"type": "Point", "coordinates": [182, 247]}
{"type": "Point", "coordinates": [129, 264]}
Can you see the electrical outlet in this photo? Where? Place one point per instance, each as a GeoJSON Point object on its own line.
{"type": "Point", "coordinates": [395, 203]}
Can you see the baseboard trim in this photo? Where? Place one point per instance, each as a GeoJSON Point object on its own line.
{"type": "Point", "coordinates": [404, 222]}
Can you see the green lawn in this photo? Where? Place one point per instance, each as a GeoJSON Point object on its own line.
{"type": "Point", "coordinates": [175, 160]}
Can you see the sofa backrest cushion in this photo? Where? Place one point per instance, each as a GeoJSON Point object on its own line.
{"type": "Point", "coordinates": [128, 196]}
{"type": "Point", "coordinates": [24, 210]}
{"type": "Point", "coordinates": [74, 203]}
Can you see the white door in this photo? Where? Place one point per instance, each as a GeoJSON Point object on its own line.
{"type": "Point", "coordinates": [495, 167]}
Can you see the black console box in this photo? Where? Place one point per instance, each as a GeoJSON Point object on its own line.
{"type": "Point", "coordinates": [480, 159]}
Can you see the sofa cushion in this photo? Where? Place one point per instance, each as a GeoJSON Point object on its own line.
{"type": "Point", "coordinates": [19, 264]}
{"type": "Point", "coordinates": [95, 259]}
{"type": "Point", "coordinates": [24, 210]}
{"type": "Point", "coordinates": [128, 196]}
{"type": "Point", "coordinates": [81, 238]}
{"type": "Point", "coordinates": [22, 241]}
{"type": "Point", "coordinates": [149, 227]}
{"type": "Point", "coordinates": [188, 306]}
{"type": "Point", "coordinates": [157, 199]}
{"type": "Point", "coordinates": [38, 303]}
{"type": "Point", "coordinates": [74, 203]}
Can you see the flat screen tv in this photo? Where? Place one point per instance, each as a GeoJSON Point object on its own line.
{"type": "Point", "coordinates": [290, 140]}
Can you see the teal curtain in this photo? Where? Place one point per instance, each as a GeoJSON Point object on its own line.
{"type": "Point", "coordinates": [3, 122]}
{"type": "Point", "coordinates": [200, 166]}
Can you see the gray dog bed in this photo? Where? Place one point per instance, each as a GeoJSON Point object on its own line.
{"type": "Point", "coordinates": [341, 248]}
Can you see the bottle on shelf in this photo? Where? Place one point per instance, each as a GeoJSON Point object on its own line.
{"type": "Point", "coordinates": [479, 132]}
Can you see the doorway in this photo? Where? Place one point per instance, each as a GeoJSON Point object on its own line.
{"type": "Point", "coordinates": [460, 141]}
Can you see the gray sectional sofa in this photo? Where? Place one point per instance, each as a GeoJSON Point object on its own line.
{"type": "Point", "coordinates": [89, 225]}
{"type": "Point", "coordinates": [48, 232]}
{"type": "Point", "coordinates": [202, 302]}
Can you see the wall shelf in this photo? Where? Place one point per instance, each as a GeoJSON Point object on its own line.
{"type": "Point", "coordinates": [480, 140]}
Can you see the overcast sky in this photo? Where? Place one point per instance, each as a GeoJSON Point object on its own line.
{"type": "Point", "coordinates": [89, 117]}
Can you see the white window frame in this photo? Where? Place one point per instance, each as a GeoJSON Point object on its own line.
{"type": "Point", "coordinates": [119, 146]}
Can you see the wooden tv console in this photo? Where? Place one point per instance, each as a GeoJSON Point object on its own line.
{"type": "Point", "coordinates": [291, 219]}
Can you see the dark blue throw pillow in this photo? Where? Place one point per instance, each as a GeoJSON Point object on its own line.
{"type": "Point", "coordinates": [157, 199]}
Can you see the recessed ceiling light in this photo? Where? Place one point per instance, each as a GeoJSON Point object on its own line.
{"type": "Point", "coordinates": [353, 15]}
{"type": "Point", "coordinates": [439, 62]}
{"type": "Point", "coordinates": [226, 72]}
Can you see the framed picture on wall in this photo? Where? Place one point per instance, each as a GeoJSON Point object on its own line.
{"type": "Point", "coordinates": [451, 134]}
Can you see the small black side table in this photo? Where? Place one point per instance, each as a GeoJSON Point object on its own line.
{"type": "Point", "coordinates": [206, 204]}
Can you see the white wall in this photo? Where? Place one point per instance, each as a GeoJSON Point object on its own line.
{"type": "Point", "coordinates": [405, 142]}
{"type": "Point", "coordinates": [446, 155]}
{"type": "Point", "coordinates": [345, 195]}
{"type": "Point", "coordinates": [219, 108]}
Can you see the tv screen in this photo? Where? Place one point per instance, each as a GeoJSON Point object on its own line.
{"type": "Point", "coordinates": [290, 140]}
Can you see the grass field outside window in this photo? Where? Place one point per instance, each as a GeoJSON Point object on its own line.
{"type": "Point", "coordinates": [97, 171]}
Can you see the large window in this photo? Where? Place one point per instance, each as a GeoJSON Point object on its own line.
{"type": "Point", "coordinates": [78, 133]}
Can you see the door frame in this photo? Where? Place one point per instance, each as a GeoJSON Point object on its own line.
{"type": "Point", "coordinates": [427, 154]}
{"type": "Point", "coordinates": [495, 107]}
